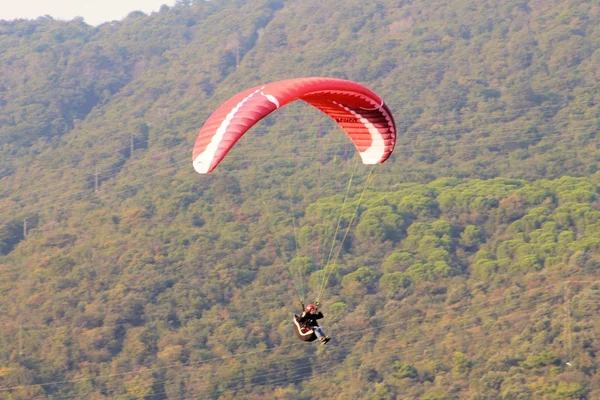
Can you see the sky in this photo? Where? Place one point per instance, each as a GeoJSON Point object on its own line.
{"type": "Point", "coordinates": [94, 12]}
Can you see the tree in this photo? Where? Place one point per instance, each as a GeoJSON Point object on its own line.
{"type": "Point", "coordinates": [396, 285]}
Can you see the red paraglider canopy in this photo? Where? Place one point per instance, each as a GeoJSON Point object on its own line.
{"type": "Point", "coordinates": [360, 112]}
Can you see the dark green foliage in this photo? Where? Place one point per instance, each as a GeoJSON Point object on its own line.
{"type": "Point", "coordinates": [11, 234]}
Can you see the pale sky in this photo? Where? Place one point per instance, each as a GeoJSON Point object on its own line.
{"type": "Point", "coordinates": [94, 12]}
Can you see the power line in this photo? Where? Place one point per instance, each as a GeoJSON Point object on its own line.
{"type": "Point", "coordinates": [535, 301]}
{"type": "Point", "coordinates": [335, 151]}
{"type": "Point", "coordinates": [335, 145]}
{"type": "Point", "coordinates": [278, 381]}
{"type": "Point", "coordinates": [261, 147]}
{"type": "Point", "coordinates": [353, 332]}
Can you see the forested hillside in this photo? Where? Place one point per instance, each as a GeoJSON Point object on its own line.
{"type": "Point", "coordinates": [466, 266]}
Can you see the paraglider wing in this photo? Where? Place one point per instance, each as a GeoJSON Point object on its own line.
{"type": "Point", "coordinates": [360, 112]}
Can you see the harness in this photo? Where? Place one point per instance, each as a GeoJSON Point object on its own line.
{"type": "Point", "coordinates": [303, 332]}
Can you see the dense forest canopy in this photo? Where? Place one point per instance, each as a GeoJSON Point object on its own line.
{"type": "Point", "coordinates": [466, 266]}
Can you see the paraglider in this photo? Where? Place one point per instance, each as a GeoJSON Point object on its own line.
{"type": "Point", "coordinates": [360, 112]}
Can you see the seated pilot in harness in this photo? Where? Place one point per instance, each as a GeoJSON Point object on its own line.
{"type": "Point", "coordinates": [307, 327]}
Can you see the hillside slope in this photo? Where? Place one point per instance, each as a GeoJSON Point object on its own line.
{"type": "Point", "coordinates": [469, 269]}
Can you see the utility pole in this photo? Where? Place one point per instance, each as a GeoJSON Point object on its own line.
{"type": "Point", "coordinates": [238, 43]}
{"type": "Point", "coordinates": [131, 145]}
{"type": "Point", "coordinates": [96, 179]}
{"type": "Point", "coordinates": [20, 338]}
{"type": "Point", "coordinates": [568, 329]}
{"type": "Point", "coordinates": [25, 228]}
